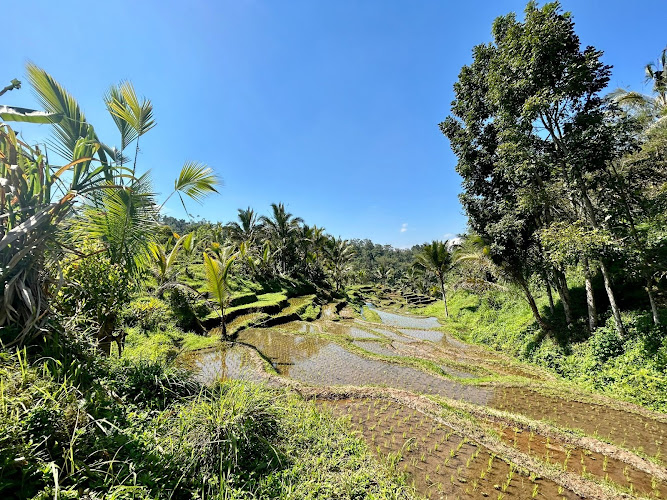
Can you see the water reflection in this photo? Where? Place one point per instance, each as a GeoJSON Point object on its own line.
{"type": "Point", "coordinates": [282, 349]}
{"type": "Point", "coordinates": [224, 363]}
{"type": "Point", "coordinates": [399, 320]}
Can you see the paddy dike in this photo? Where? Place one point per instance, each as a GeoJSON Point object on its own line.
{"type": "Point", "coordinates": [540, 422]}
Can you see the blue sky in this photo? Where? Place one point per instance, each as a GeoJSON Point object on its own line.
{"type": "Point", "coordinates": [331, 107]}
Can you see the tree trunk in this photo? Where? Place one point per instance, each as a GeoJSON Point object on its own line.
{"type": "Point", "coordinates": [590, 211]}
{"type": "Point", "coordinates": [533, 305]}
{"type": "Point", "coordinates": [224, 324]}
{"type": "Point", "coordinates": [654, 307]}
{"type": "Point", "coordinates": [564, 294]}
{"type": "Point", "coordinates": [547, 284]}
{"type": "Point", "coordinates": [444, 297]}
{"type": "Point", "coordinates": [620, 329]}
{"type": "Point", "coordinates": [105, 334]}
{"type": "Point", "coordinates": [590, 298]}
{"type": "Point", "coordinates": [642, 251]}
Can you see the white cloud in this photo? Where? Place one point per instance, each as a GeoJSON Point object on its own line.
{"type": "Point", "coordinates": [404, 227]}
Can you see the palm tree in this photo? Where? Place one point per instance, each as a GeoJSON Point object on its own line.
{"type": "Point", "coordinates": [649, 108]}
{"type": "Point", "coordinates": [340, 253]}
{"type": "Point", "coordinates": [282, 228]}
{"type": "Point", "coordinates": [436, 257]}
{"type": "Point", "coordinates": [164, 262]}
{"type": "Point", "coordinates": [217, 281]}
{"type": "Point", "coordinates": [246, 229]}
{"type": "Point", "coordinates": [118, 206]}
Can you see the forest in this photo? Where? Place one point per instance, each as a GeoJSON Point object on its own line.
{"type": "Point", "coordinates": [144, 355]}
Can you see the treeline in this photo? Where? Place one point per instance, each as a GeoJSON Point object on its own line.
{"type": "Point", "coordinates": [270, 246]}
{"type": "Point", "coordinates": [559, 179]}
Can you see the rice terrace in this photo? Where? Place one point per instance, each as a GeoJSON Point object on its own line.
{"type": "Point", "coordinates": [158, 342]}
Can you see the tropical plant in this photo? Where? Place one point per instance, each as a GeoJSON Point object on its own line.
{"type": "Point", "coordinates": [651, 109]}
{"type": "Point", "coordinates": [217, 272]}
{"type": "Point", "coordinates": [117, 206]}
{"type": "Point", "coordinates": [246, 229]}
{"type": "Point", "coordinates": [164, 263]}
{"type": "Point", "coordinates": [35, 198]}
{"type": "Point", "coordinates": [340, 254]}
{"type": "Point", "coordinates": [437, 258]}
{"type": "Point", "coordinates": [282, 228]}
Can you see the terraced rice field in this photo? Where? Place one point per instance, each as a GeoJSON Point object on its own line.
{"type": "Point", "coordinates": [461, 421]}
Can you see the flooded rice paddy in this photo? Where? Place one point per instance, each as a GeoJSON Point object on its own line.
{"type": "Point", "coordinates": [443, 464]}
{"type": "Point", "coordinates": [440, 462]}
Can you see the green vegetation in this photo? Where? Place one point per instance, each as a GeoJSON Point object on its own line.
{"type": "Point", "coordinates": [80, 418]}
{"type": "Point", "coordinates": [128, 429]}
{"type": "Point", "coordinates": [632, 369]}
{"type": "Point", "coordinates": [565, 189]}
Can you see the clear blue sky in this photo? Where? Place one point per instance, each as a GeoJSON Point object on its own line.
{"type": "Point", "coordinates": [331, 107]}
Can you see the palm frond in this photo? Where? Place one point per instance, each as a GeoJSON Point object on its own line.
{"type": "Point", "coordinates": [196, 181]}
{"type": "Point", "coordinates": [56, 100]}
{"type": "Point", "coordinates": [114, 98]}
{"type": "Point", "coordinates": [16, 114]}
{"type": "Point", "coordinates": [124, 219]}
{"type": "Point", "coordinates": [127, 109]}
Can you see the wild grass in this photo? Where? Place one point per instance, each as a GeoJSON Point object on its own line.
{"type": "Point", "coordinates": [140, 428]}
{"type": "Point", "coordinates": [632, 368]}
{"type": "Point", "coordinates": [370, 315]}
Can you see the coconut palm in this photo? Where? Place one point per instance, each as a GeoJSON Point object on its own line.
{"type": "Point", "coordinates": [437, 258]}
{"type": "Point", "coordinates": [340, 254]}
{"type": "Point", "coordinates": [217, 272]}
{"type": "Point", "coordinates": [246, 229]}
{"type": "Point", "coordinates": [282, 228]}
{"type": "Point", "coordinates": [650, 108]}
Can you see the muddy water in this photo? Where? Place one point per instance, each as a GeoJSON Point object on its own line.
{"type": "Point", "coordinates": [431, 335]}
{"type": "Point", "coordinates": [389, 334]}
{"type": "Point", "coordinates": [407, 321]}
{"type": "Point", "coordinates": [220, 364]}
{"type": "Point", "coordinates": [317, 361]}
{"type": "Point", "coordinates": [621, 428]}
{"type": "Point", "coordinates": [351, 331]}
{"type": "Point", "coordinates": [333, 365]}
{"type": "Point", "coordinates": [283, 349]}
{"type": "Point", "coordinates": [376, 348]}
{"type": "Point", "coordinates": [440, 463]}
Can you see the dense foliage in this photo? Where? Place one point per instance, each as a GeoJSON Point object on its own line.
{"type": "Point", "coordinates": [556, 177]}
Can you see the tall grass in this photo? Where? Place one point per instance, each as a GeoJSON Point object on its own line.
{"type": "Point", "coordinates": [144, 429]}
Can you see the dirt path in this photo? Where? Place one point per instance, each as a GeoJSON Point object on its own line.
{"type": "Point", "coordinates": [463, 421]}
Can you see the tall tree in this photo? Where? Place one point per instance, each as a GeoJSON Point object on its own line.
{"type": "Point", "coordinates": [540, 127]}
{"type": "Point", "coordinates": [246, 229]}
{"type": "Point", "coordinates": [436, 257]}
{"type": "Point", "coordinates": [282, 229]}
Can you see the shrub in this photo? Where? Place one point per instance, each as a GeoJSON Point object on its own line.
{"type": "Point", "coordinates": [148, 313]}
{"type": "Point", "coordinates": [186, 310]}
{"type": "Point", "coordinates": [605, 343]}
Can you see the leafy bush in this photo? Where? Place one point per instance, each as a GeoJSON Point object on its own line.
{"type": "Point", "coordinates": [148, 313]}
{"type": "Point", "coordinates": [186, 310]}
{"type": "Point", "coordinates": [605, 343]}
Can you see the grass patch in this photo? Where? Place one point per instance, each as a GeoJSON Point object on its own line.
{"type": "Point", "coordinates": [140, 429]}
{"type": "Point", "coordinates": [370, 315]}
{"type": "Point", "coordinates": [632, 369]}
